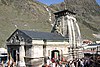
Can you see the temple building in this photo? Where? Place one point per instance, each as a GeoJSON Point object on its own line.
{"type": "Point", "coordinates": [31, 48]}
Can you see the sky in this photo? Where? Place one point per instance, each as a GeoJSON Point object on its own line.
{"type": "Point", "coordinates": [98, 1]}
{"type": "Point", "coordinates": [48, 2]}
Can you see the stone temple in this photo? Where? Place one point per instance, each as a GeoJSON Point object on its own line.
{"type": "Point", "coordinates": [31, 48]}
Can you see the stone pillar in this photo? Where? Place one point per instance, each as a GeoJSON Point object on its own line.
{"type": "Point", "coordinates": [44, 51]}
{"type": "Point", "coordinates": [32, 54]}
{"type": "Point", "coordinates": [21, 62]}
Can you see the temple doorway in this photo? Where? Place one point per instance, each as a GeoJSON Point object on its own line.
{"type": "Point", "coordinates": [14, 55]}
{"type": "Point", "coordinates": [55, 54]}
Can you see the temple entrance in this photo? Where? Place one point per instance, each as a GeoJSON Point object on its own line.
{"type": "Point", "coordinates": [55, 54]}
{"type": "Point", "coordinates": [14, 55]}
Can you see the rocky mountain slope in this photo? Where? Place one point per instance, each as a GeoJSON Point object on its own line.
{"type": "Point", "coordinates": [33, 15]}
{"type": "Point", "coordinates": [88, 16]}
{"type": "Point", "coordinates": [22, 14]}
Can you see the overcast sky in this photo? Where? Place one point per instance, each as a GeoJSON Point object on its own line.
{"type": "Point", "coordinates": [48, 2]}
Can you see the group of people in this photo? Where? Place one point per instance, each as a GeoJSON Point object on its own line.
{"type": "Point", "coordinates": [52, 63]}
{"type": "Point", "coordinates": [77, 62]}
{"type": "Point", "coordinates": [9, 63]}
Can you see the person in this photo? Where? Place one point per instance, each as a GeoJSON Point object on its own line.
{"type": "Point", "coordinates": [82, 62]}
{"type": "Point", "coordinates": [48, 61]}
{"type": "Point", "coordinates": [54, 64]}
{"type": "Point", "coordinates": [78, 63]}
{"type": "Point", "coordinates": [73, 64]}
{"type": "Point", "coordinates": [45, 65]}
{"type": "Point", "coordinates": [86, 63]}
{"type": "Point", "coordinates": [21, 64]}
{"type": "Point", "coordinates": [2, 63]}
{"type": "Point", "coordinates": [67, 64]}
{"type": "Point", "coordinates": [52, 60]}
{"type": "Point", "coordinates": [9, 63]}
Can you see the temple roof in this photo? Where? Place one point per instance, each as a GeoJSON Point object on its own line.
{"type": "Point", "coordinates": [35, 35]}
{"type": "Point", "coordinates": [43, 35]}
{"type": "Point", "coordinates": [64, 11]}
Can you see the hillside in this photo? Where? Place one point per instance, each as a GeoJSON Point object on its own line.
{"type": "Point", "coordinates": [22, 14]}
{"type": "Point", "coordinates": [88, 15]}
{"type": "Point", "coordinates": [33, 15]}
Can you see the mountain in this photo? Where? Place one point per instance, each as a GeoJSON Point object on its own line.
{"type": "Point", "coordinates": [22, 14]}
{"type": "Point", "coordinates": [88, 16]}
{"type": "Point", "coordinates": [33, 15]}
